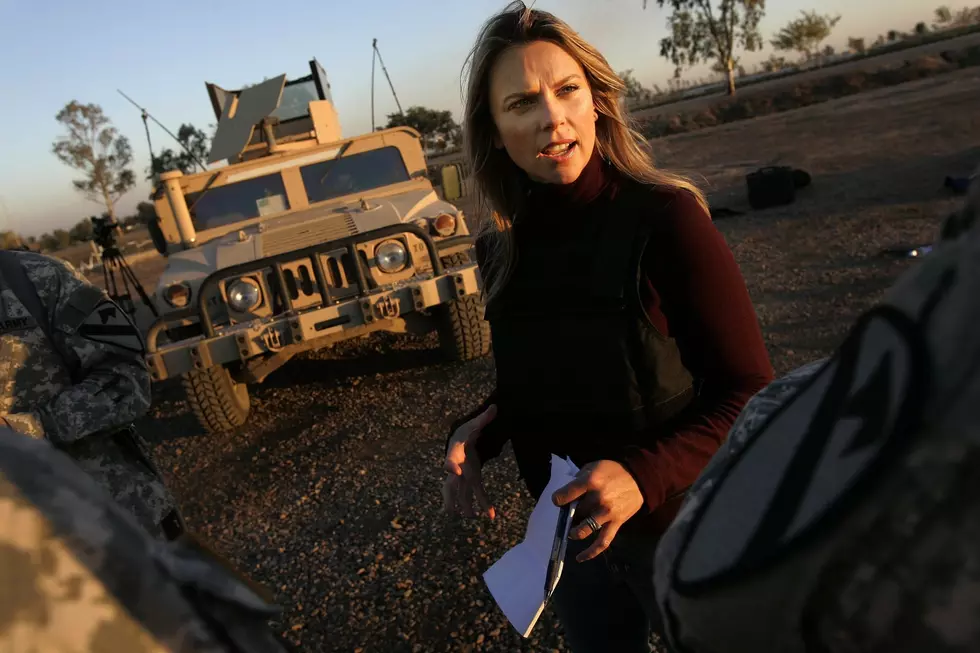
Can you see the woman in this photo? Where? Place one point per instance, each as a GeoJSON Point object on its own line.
{"type": "Point", "coordinates": [623, 334]}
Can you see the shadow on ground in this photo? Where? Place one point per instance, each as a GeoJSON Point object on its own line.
{"type": "Point", "coordinates": [328, 368]}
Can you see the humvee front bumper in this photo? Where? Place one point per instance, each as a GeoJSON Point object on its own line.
{"type": "Point", "coordinates": [332, 319]}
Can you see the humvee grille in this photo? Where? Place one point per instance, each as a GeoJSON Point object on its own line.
{"type": "Point", "coordinates": [300, 280]}
{"type": "Point", "coordinates": [306, 234]}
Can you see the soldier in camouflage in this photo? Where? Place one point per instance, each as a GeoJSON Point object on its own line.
{"type": "Point", "coordinates": [72, 372]}
{"type": "Point", "coordinates": [842, 513]}
{"type": "Point", "coordinates": [79, 574]}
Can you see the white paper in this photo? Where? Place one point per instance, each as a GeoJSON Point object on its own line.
{"type": "Point", "coordinates": [517, 580]}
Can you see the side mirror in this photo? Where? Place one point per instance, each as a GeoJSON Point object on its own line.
{"type": "Point", "coordinates": [452, 182]}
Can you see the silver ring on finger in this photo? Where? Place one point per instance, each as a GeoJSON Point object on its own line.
{"type": "Point", "coordinates": [592, 524]}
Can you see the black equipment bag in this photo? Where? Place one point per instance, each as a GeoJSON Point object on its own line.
{"type": "Point", "coordinates": [771, 186]}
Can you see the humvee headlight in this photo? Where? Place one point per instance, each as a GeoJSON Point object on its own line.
{"type": "Point", "coordinates": [444, 224]}
{"type": "Point", "coordinates": [177, 294]}
{"type": "Point", "coordinates": [391, 256]}
{"type": "Point", "coordinates": [243, 295]}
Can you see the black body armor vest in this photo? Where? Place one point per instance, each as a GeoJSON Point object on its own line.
{"type": "Point", "coordinates": [579, 364]}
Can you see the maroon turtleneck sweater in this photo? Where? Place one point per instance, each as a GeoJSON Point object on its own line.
{"type": "Point", "coordinates": [693, 292]}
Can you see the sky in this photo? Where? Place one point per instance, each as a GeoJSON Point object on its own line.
{"type": "Point", "coordinates": [162, 53]}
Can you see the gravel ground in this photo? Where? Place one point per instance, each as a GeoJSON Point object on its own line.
{"type": "Point", "coordinates": [330, 495]}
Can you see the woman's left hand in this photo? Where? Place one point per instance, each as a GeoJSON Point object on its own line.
{"type": "Point", "coordinates": [607, 493]}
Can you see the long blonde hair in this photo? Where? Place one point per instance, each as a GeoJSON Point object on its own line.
{"type": "Point", "coordinates": [497, 179]}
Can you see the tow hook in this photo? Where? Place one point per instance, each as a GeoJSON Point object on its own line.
{"type": "Point", "coordinates": [387, 308]}
{"type": "Point", "coordinates": [272, 340]}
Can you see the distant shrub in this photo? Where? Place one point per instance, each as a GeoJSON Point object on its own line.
{"type": "Point", "coordinates": [707, 118]}
{"type": "Point", "coordinates": [734, 110]}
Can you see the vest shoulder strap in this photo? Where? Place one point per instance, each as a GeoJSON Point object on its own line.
{"type": "Point", "coordinates": [16, 277]}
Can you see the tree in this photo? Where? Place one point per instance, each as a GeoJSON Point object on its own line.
{"type": "Point", "coordinates": [634, 89]}
{"type": "Point", "coordinates": [720, 69]}
{"type": "Point", "coordinates": [773, 63]}
{"type": "Point", "coordinates": [57, 239]}
{"type": "Point", "coordinates": [700, 31]}
{"type": "Point", "coordinates": [48, 243]}
{"type": "Point", "coordinates": [921, 28]}
{"type": "Point", "coordinates": [892, 35]}
{"type": "Point", "coordinates": [828, 50]}
{"type": "Point", "coordinates": [146, 212]}
{"type": "Point", "coordinates": [439, 130]}
{"type": "Point", "coordinates": [966, 16]}
{"type": "Point", "coordinates": [81, 232]}
{"type": "Point", "coordinates": [93, 146]}
{"type": "Point", "coordinates": [194, 140]}
{"type": "Point", "coordinates": [805, 34]}
{"type": "Point", "coordinates": [943, 17]}
{"type": "Point", "coordinates": [62, 237]}
{"type": "Point", "coordinates": [856, 45]}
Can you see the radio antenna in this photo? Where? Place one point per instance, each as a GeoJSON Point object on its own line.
{"type": "Point", "coordinates": [376, 57]}
{"type": "Point", "coordinates": [146, 114]}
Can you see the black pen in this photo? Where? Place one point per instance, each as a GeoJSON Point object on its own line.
{"type": "Point", "coordinates": [557, 559]}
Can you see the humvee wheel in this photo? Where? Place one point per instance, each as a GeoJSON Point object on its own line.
{"type": "Point", "coordinates": [219, 402]}
{"type": "Point", "coordinates": [463, 333]}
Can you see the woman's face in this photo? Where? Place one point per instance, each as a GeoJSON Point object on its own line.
{"type": "Point", "coordinates": [542, 107]}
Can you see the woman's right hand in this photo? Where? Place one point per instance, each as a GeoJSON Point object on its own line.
{"type": "Point", "coordinates": [464, 482]}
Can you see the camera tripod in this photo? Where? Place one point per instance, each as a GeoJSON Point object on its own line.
{"type": "Point", "coordinates": [112, 262]}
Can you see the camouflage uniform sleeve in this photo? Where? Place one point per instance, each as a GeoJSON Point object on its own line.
{"type": "Point", "coordinates": [26, 423]}
{"type": "Point", "coordinates": [112, 384]}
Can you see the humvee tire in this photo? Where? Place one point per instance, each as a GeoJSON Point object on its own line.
{"type": "Point", "coordinates": [219, 402]}
{"type": "Point", "coordinates": [463, 333]}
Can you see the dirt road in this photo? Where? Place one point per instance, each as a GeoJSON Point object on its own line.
{"type": "Point", "coordinates": [330, 495]}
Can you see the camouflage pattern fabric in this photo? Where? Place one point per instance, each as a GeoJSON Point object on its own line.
{"type": "Point", "coordinates": [80, 575]}
{"type": "Point", "coordinates": [842, 513]}
{"type": "Point", "coordinates": [39, 398]}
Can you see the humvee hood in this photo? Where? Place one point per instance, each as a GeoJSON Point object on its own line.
{"type": "Point", "coordinates": [294, 231]}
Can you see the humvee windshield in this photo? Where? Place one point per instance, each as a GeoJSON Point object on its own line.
{"type": "Point", "coordinates": [353, 173]}
{"type": "Point", "coordinates": [325, 180]}
{"type": "Point", "coordinates": [243, 200]}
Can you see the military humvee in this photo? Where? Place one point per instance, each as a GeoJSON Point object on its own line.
{"type": "Point", "coordinates": [304, 238]}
